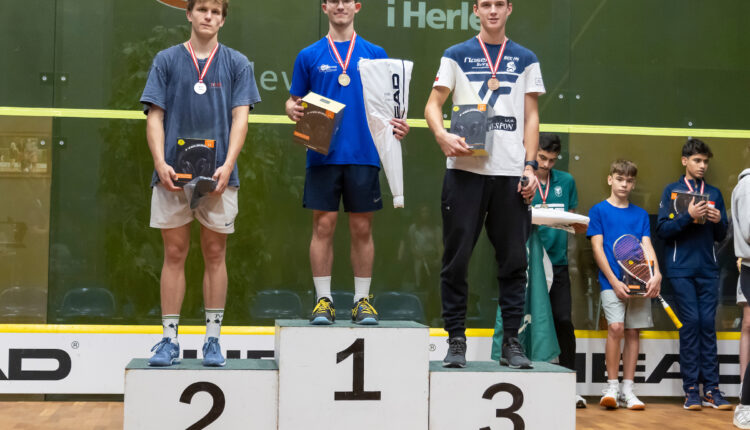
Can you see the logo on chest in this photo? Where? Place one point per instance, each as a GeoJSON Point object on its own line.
{"type": "Point", "coordinates": [328, 68]}
{"type": "Point", "coordinates": [558, 191]}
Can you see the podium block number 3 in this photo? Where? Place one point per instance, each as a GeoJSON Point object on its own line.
{"type": "Point", "coordinates": [216, 409]}
{"type": "Point", "coordinates": [357, 351]}
{"type": "Point", "coordinates": [509, 412]}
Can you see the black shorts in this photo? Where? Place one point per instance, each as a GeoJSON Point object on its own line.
{"type": "Point", "coordinates": [745, 281]}
{"type": "Point", "coordinates": [357, 185]}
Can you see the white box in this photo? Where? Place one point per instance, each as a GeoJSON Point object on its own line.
{"type": "Point", "coordinates": [485, 395]}
{"type": "Point", "coordinates": [331, 377]}
{"type": "Point", "coordinates": [243, 394]}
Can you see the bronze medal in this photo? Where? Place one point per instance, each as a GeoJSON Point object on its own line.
{"type": "Point", "coordinates": [493, 84]}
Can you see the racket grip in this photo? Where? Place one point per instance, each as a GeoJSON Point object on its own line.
{"type": "Point", "coordinates": [670, 312]}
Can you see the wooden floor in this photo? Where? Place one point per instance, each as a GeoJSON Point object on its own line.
{"type": "Point", "coordinates": [661, 414]}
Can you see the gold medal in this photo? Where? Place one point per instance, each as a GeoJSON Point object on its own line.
{"type": "Point", "coordinates": [344, 80]}
{"type": "Point", "coordinates": [493, 84]}
{"type": "Point", "coordinates": [544, 206]}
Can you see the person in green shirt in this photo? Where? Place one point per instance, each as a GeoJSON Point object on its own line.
{"type": "Point", "coordinates": [557, 190]}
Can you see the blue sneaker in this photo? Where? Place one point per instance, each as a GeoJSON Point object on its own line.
{"type": "Point", "coordinates": [167, 353]}
{"type": "Point", "coordinates": [715, 399]}
{"type": "Point", "coordinates": [692, 399]}
{"type": "Point", "coordinates": [212, 353]}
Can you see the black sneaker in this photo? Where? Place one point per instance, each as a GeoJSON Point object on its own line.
{"type": "Point", "coordinates": [324, 313]}
{"type": "Point", "coordinates": [363, 313]}
{"type": "Point", "coordinates": [456, 356]}
{"type": "Point", "coordinates": [513, 355]}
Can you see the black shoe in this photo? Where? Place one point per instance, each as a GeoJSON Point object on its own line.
{"type": "Point", "coordinates": [513, 355]}
{"type": "Point", "coordinates": [456, 356]}
{"type": "Point", "coordinates": [324, 313]}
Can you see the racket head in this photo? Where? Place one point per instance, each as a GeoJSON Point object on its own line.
{"type": "Point", "coordinates": [631, 256]}
{"type": "Point", "coordinates": [681, 203]}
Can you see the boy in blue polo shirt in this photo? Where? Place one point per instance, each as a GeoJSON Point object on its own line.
{"type": "Point", "coordinates": [350, 170]}
{"type": "Point", "coordinates": [692, 269]}
{"type": "Point", "coordinates": [625, 314]}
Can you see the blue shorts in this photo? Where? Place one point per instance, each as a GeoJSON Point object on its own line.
{"type": "Point", "coordinates": [357, 185]}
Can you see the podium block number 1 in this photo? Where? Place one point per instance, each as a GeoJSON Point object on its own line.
{"type": "Point", "coordinates": [357, 351]}
{"type": "Point", "coordinates": [216, 409]}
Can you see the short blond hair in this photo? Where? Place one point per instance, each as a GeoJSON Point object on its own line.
{"type": "Point", "coordinates": [224, 5]}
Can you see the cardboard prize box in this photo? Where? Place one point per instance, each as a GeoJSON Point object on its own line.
{"type": "Point", "coordinates": [470, 123]}
{"type": "Point", "coordinates": [321, 120]}
{"type": "Point", "coordinates": [195, 158]}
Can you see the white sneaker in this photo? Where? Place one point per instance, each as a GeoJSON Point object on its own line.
{"type": "Point", "coordinates": [742, 416]}
{"type": "Point", "coordinates": [631, 402]}
{"type": "Point", "coordinates": [580, 402]}
{"type": "Point", "coordinates": [609, 399]}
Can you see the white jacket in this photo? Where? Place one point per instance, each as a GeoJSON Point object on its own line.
{"type": "Point", "coordinates": [741, 217]}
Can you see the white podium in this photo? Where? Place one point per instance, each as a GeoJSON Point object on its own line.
{"type": "Point", "coordinates": [331, 377]}
{"type": "Point", "coordinates": [485, 395]}
{"type": "Point", "coordinates": [243, 394]}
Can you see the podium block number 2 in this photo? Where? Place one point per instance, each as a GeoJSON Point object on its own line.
{"type": "Point", "coordinates": [216, 409]}
{"type": "Point", "coordinates": [509, 412]}
{"type": "Point", "coordinates": [357, 351]}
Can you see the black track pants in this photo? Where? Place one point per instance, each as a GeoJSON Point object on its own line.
{"type": "Point", "coordinates": [470, 200]}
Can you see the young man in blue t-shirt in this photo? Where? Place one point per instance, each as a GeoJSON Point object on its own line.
{"type": "Point", "coordinates": [625, 314]}
{"type": "Point", "coordinates": [691, 266]}
{"type": "Point", "coordinates": [197, 89]}
{"type": "Point", "coordinates": [350, 170]}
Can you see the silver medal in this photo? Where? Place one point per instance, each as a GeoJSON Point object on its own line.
{"type": "Point", "coordinates": [200, 88]}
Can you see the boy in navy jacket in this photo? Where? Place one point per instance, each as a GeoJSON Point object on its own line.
{"type": "Point", "coordinates": [691, 266]}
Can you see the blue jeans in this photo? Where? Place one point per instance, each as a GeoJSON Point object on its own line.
{"type": "Point", "coordinates": [697, 299]}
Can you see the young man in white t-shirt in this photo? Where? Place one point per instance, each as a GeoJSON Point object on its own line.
{"type": "Point", "coordinates": [487, 190]}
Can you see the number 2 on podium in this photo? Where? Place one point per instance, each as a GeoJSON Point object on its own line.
{"type": "Point", "coordinates": [357, 351]}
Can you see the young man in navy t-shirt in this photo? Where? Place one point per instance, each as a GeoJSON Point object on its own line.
{"type": "Point", "coordinates": [197, 89]}
{"type": "Point", "coordinates": [691, 266]}
{"type": "Point", "coordinates": [349, 172]}
{"type": "Point", "coordinates": [494, 70]}
{"type": "Point", "coordinates": [626, 314]}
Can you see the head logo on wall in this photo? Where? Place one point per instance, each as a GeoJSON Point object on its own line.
{"type": "Point", "coordinates": [179, 4]}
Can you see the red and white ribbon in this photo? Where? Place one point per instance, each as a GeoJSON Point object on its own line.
{"type": "Point", "coordinates": [493, 67]}
{"type": "Point", "coordinates": [202, 74]}
{"type": "Point", "coordinates": [344, 64]}
{"type": "Point", "coordinates": [690, 187]}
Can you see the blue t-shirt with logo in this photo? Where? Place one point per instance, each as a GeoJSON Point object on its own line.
{"type": "Point", "coordinates": [316, 69]}
{"type": "Point", "coordinates": [612, 222]}
{"type": "Point", "coordinates": [230, 83]}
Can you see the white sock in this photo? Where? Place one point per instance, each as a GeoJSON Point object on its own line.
{"type": "Point", "coordinates": [323, 287]}
{"type": "Point", "coordinates": [627, 386]}
{"type": "Point", "coordinates": [169, 325]}
{"type": "Point", "coordinates": [614, 383]}
{"type": "Point", "coordinates": [213, 323]}
{"type": "Point", "coordinates": [361, 288]}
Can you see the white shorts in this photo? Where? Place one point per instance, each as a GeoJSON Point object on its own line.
{"type": "Point", "coordinates": [171, 210]}
{"type": "Point", "coordinates": [635, 311]}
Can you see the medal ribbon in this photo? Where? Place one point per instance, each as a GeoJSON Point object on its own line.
{"type": "Point", "coordinates": [202, 74]}
{"type": "Point", "coordinates": [494, 68]}
{"type": "Point", "coordinates": [344, 64]}
{"type": "Point", "coordinates": [690, 187]}
{"type": "Point", "coordinates": [542, 193]}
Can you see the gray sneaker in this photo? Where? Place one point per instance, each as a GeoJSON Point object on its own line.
{"type": "Point", "coordinates": [456, 356]}
{"type": "Point", "coordinates": [513, 355]}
